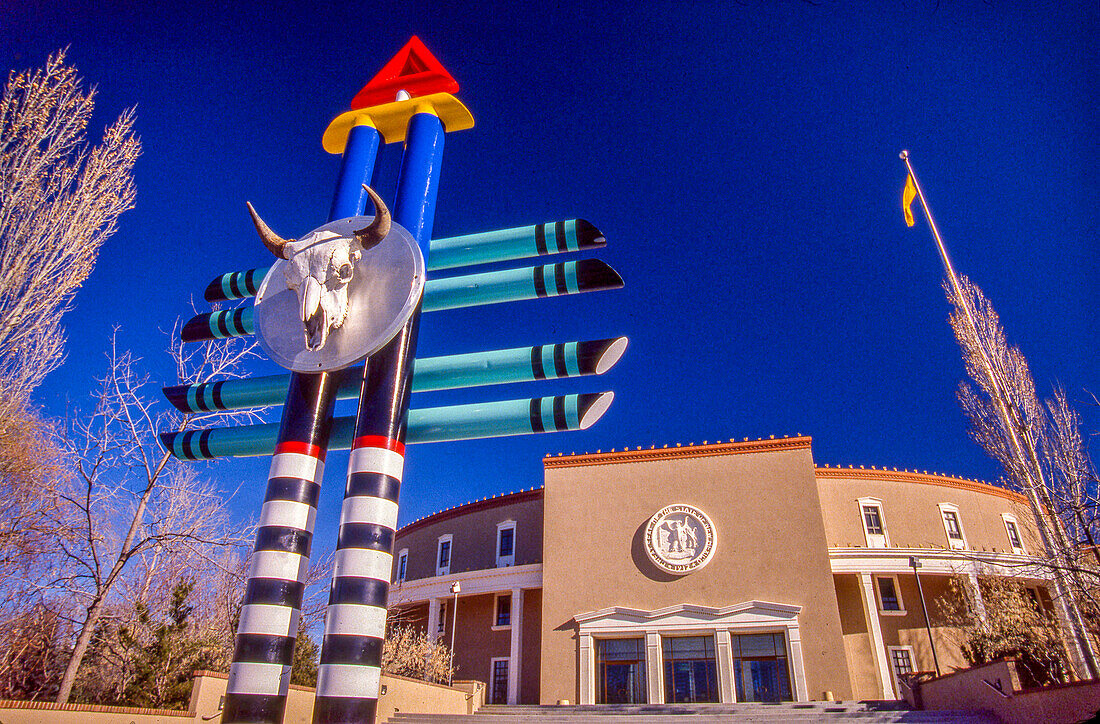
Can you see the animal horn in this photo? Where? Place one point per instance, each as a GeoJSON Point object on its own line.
{"type": "Point", "coordinates": [271, 240]}
{"type": "Point", "coordinates": [373, 234]}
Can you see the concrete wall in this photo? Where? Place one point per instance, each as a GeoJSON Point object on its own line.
{"type": "Point", "coordinates": [975, 689]}
{"type": "Point", "coordinates": [910, 506]}
{"type": "Point", "coordinates": [402, 694]}
{"type": "Point", "coordinates": [415, 696]}
{"type": "Point", "coordinates": [763, 501]}
{"type": "Point", "coordinates": [474, 528]}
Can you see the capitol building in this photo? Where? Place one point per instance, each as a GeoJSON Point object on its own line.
{"type": "Point", "coordinates": [727, 572]}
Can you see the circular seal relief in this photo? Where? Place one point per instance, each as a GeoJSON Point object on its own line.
{"type": "Point", "coordinates": [680, 539]}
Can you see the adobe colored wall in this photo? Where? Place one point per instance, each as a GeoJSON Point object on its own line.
{"type": "Point", "coordinates": [910, 507]}
{"type": "Point", "coordinates": [762, 498]}
{"type": "Point", "coordinates": [1065, 704]}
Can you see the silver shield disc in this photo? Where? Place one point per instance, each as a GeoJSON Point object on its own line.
{"type": "Point", "coordinates": [382, 295]}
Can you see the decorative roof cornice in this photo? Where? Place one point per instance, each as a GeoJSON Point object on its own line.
{"type": "Point", "coordinates": [907, 476]}
{"type": "Point", "coordinates": [495, 501]}
{"type": "Point", "coordinates": [669, 453]}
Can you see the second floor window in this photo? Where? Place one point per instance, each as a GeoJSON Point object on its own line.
{"type": "Point", "coordinates": [872, 519]}
{"type": "Point", "coordinates": [507, 542]}
{"type": "Point", "coordinates": [445, 554]}
{"type": "Point", "coordinates": [951, 520]}
{"type": "Point", "coordinates": [402, 566]}
{"type": "Point", "coordinates": [1013, 534]}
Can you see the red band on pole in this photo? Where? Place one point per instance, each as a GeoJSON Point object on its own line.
{"type": "Point", "coordinates": [379, 441]}
{"type": "Point", "coordinates": [301, 448]}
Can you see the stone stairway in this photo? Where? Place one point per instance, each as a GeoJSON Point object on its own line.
{"type": "Point", "coordinates": [698, 714]}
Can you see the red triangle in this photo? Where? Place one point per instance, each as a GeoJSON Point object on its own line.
{"type": "Point", "coordinates": [413, 69]}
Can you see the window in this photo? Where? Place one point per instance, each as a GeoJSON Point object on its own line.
{"type": "Point", "coordinates": [691, 670]}
{"type": "Point", "coordinates": [443, 555]}
{"type": "Point", "coordinates": [874, 523]}
{"type": "Point", "coordinates": [442, 617]}
{"type": "Point", "coordinates": [1013, 530]}
{"type": "Point", "coordinates": [620, 666]}
{"type": "Point", "coordinates": [498, 682]}
{"type": "Point", "coordinates": [402, 564]}
{"type": "Point", "coordinates": [889, 596]}
{"type": "Point", "coordinates": [506, 543]}
{"type": "Point", "coordinates": [760, 670]}
{"type": "Point", "coordinates": [952, 527]}
{"type": "Point", "coordinates": [901, 663]}
{"type": "Point", "coordinates": [503, 617]}
{"type": "Point", "coordinates": [872, 519]}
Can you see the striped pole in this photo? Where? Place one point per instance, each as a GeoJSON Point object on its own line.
{"type": "Point", "coordinates": [349, 675]}
{"type": "Point", "coordinates": [500, 418]}
{"type": "Point", "coordinates": [482, 248]}
{"type": "Point", "coordinates": [470, 290]}
{"type": "Point", "coordinates": [448, 372]}
{"type": "Point", "coordinates": [260, 673]}
{"type": "Point", "coordinates": [259, 676]}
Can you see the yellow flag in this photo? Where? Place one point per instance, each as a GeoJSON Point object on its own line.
{"type": "Point", "coordinates": [907, 197]}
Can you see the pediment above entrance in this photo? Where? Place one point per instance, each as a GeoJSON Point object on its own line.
{"type": "Point", "coordinates": [687, 615]}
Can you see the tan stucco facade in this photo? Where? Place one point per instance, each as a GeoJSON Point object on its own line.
{"type": "Point", "coordinates": [795, 555]}
{"type": "Point", "coordinates": [753, 493]}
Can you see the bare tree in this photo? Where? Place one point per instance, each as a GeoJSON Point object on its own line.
{"type": "Point", "coordinates": [32, 468]}
{"type": "Point", "coordinates": [1037, 445]}
{"type": "Point", "coordinates": [130, 499]}
{"type": "Point", "coordinates": [60, 199]}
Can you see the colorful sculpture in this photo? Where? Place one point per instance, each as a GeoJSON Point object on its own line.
{"type": "Point", "coordinates": [321, 265]}
{"type": "Point", "coordinates": [320, 268]}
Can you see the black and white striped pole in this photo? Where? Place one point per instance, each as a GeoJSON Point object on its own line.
{"type": "Point", "coordinates": [259, 676]}
{"type": "Point", "coordinates": [349, 675]}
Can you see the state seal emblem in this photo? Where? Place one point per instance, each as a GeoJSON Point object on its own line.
{"type": "Point", "coordinates": [680, 539]}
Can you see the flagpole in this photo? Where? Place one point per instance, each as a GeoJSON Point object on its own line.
{"type": "Point", "coordinates": [1020, 439]}
{"type": "Point", "coordinates": [904, 155]}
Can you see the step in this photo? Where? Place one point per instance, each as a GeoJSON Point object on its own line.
{"type": "Point", "coordinates": [713, 714]}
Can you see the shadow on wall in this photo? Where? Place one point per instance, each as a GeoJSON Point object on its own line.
{"type": "Point", "coordinates": [641, 558]}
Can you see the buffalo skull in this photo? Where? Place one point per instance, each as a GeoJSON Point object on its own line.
{"type": "Point", "coordinates": [320, 266]}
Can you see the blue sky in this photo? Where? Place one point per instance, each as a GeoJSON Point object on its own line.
{"type": "Point", "coordinates": [741, 158]}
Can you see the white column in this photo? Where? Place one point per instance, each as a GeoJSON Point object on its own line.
{"type": "Point", "coordinates": [798, 666]}
{"type": "Point", "coordinates": [585, 671]}
{"type": "Point", "coordinates": [434, 604]}
{"type": "Point", "coordinates": [656, 693]}
{"type": "Point", "coordinates": [516, 618]}
{"type": "Point", "coordinates": [878, 649]}
{"type": "Point", "coordinates": [724, 649]}
{"type": "Point", "coordinates": [976, 592]}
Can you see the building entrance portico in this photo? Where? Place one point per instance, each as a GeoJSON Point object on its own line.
{"type": "Point", "coordinates": [750, 651]}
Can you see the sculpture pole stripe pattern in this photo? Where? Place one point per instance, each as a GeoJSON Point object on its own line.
{"type": "Point", "coordinates": [471, 290]}
{"type": "Point", "coordinates": [493, 367]}
{"type": "Point", "coordinates": [234, 285]}
{"type": "Point", "coordinates": [260, 672]}
{"type": "Point", "coordinates": [349, 675]}
{"type": "Point", "coordinates": [434, 424]}
{"type": "Point", "coordinates": [259, 676]}
{"type": "Point", "coordinates": [482, 248]}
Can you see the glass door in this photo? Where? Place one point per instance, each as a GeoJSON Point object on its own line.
{"type": "Point", "coordinates": [691, 670]}
{"type": "Point", "coordinates": [760, 667]}
{"type": "Point", "coordinates": [620, 665]}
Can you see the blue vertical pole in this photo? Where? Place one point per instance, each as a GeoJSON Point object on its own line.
{"type": "Point", "coordinates": [349, 675]}
{"type": "Point", "coordinates": [260, 673]}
